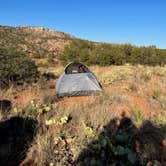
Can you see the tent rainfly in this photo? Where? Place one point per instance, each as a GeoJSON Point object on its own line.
{"type": "Point", "coordinates": [77, 80]}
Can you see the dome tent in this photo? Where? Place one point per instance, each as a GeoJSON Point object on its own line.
{"type": "Point", "coordinates": [77, 80]}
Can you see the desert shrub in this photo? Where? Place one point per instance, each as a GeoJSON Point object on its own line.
{"type": "Point", "coordinates": [15, 67]}
{"type": "Point", "coordinates": [111, 54]}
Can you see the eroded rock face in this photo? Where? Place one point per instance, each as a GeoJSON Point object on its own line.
{"type": "Point", "coordinates": [16, 135]}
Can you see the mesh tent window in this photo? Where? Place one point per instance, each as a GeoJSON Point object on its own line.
{"type": "Point", "coordinates": [74, 68]}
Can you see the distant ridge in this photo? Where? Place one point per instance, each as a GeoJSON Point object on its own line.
{"type": "Point", "coordinates": [33, 40]}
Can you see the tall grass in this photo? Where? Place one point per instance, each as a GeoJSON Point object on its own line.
{"type": "Point", "coordinates": [86, 116]}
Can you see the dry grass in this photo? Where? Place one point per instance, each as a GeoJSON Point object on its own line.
{"type": "Point", "coordinates": [137, 92]}
{"type": "Point", "coordinates": [6, 93]}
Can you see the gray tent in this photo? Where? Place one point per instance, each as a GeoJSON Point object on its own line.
{"type": "Point", "coordinates": [77, 80]}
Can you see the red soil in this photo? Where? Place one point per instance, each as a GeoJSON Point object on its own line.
{"type": "Point", "coordinates": [21, 98]}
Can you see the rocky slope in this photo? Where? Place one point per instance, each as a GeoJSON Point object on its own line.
{"type": "Point", "coordinates": [36, 42]}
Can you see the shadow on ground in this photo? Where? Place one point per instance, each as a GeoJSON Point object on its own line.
{"type": "Point", "coordinates": [121, 143]}
{"type": "Point", "coordinates": [5, 105]}
{"type": "Point", "coordinates": [16, 135]}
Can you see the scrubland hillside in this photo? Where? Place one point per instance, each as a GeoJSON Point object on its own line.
{"type": "Point", "coordinates": [36, 42]}
{"type": "Point", "coordinates": [49, 47]}
{"type": "Point", "coordinates": [123, 125]}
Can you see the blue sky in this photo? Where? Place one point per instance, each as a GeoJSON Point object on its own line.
{"type": "Point", "coordinates": [139, 22]}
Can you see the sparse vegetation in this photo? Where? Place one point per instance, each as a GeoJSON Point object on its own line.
{"type": "Point", "coordinates": [35, 42]}
{"type": "Point", "coordinates": [123, 125]}
{"type": "Point", "coordinates": [91, 130]}
{"type": "Point", "coordinates": [138, 116]}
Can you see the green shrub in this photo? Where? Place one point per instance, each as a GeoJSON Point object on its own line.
{"type": "Point", "coordinates": [16, 67]}
{"type": "Point", "coordinates": [111, 54]}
